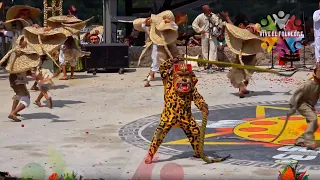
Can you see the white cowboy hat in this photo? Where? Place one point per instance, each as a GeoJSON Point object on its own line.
{"type": "Point", "coordinates": [14, 11]}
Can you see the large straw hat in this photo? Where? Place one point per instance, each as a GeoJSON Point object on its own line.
{"type": "Point", "coordinates": [21, 62]}
{"type": "Point", "coordinates": [239, 39]}
{"type": "Point", "coordinates": [162, 33]}
{"type": "Point", "coordinates": [44, 41]}
{"type": "Point", "coordinates": [14, 11]}
{"type": "Point", "coordinates": [78, 25]}
{"type": "Point", "coordinates": [8, 24]}
{"type": "Point", "coordinates": [56, 21]}
{"type": "Point", "coordinates": [137, 24]}
{"type": "Point", "coordinates": [22, 57]}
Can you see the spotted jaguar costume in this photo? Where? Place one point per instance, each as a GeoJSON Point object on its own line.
{"type": "Point", "coordinates": [179, 91]}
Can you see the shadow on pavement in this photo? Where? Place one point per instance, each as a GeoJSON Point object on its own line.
{"type": "Point", "coordinates": [59, 86]}
{"type": "Point", "coordinates": [50, 116]}
{"type": "Point", "coordinates": [261, 93]}
{"type": "Point", "coordinates": [63, 103]}
{"type": "Point", "coordinates": [190, 154]}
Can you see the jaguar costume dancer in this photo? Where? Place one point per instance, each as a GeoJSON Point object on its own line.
{"type": "Point", "coordinates": [179, 82]}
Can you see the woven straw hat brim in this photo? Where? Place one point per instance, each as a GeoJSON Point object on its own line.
{"type": "Point", "coordinates": [237, 40]}
{"type": "Point", "coordinates": [51, 40]}
{"type": "Point", "coordinates": [64, 19]}
{"type": "Point", "coordinates": [167, 14]}
{"type": "Point", "coordinates": [14, 10]}
{"type": "Point", "coordinates": [27, 50]}
{"type": "Point", "coordinates": [79, 26]}
{"type": "Point", "coordinates": [137, 24]}
{"type": "Point", "coordinates": [21, 62]}
{"type": "Point", "coordinates": [8, 24]}
{"type": "Point", "coordinates": [240, 33]}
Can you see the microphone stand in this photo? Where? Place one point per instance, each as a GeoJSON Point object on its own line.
{"type": "Point", "coordinates": [305, 41]}
{"type": "Point", "coordinates": [186, 33]}
{"type": "Point", "coordinates": [209, 67]}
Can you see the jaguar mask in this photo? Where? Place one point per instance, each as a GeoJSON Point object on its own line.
{"type": "Point", "coordinates": [182, 78]}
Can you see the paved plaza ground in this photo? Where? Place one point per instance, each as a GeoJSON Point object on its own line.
{"type": "Point", "coordinates": [101, 126]}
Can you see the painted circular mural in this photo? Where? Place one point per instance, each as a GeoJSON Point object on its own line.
{"type": "Point", "coordinates": [235, 129]}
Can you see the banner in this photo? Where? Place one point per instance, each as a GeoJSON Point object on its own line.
{"type": "Point", "coordinates": [283, 34]}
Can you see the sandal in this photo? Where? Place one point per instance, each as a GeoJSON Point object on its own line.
{"type": "Point", "coordinates": [64, 78]}
{"type": "Point", "coordinates": [35, 88]}
{"type": "Point", "coordinates": [38, 104]}
{"type": "Point", "coordinates": [14, 118]}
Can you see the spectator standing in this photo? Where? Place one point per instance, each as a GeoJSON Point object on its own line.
{"type": "Point", "coordinates": [209, 25]}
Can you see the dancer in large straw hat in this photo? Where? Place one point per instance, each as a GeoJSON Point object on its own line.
{"type": "Point", "coordinates": [17, 18]}
{"type": "Point", "coordinates": [21, 60]}
{"type": "Point", "coordinates": [162, 34]}
{"type": "Point", "coordinates": [30, 49]}
{"type": "Point", "coordinates": [69, 52]}
{"type": "Point", "coordinates": [304, 100]}
{"type": "Point", "coordinates": [242, 39]}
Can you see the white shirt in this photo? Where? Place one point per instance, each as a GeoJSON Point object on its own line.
{"type": "Point", "coordinates": [316, 23]}
{"type": "Point", "coordinates": [202, 23]}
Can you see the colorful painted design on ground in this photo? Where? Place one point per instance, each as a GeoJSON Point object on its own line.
{"type": "Point", "coordinates": [281, 33]}
{"type": "Point", "coordinates": [230, 130]}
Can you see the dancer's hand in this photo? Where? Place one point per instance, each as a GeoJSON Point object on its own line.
{"type": "Point", "coordinates": [203, 32]}
{"type": "Point", "coordinates": [176, 59]}
{"type": "Point", "coordinates": [148, 20]}
{"type": "Point", "coordinates": [225, 13]}
{"type": "Point", "coordinates": [36, 26]}
{"type": "Point", "coordinates": [205, 110]}
{"type": "Point", "coordinates": [292, 111]}
{"type": "Point", "coordinates": [166, 20]}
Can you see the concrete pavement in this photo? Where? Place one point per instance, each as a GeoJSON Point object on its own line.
{"type": "Point", "coordinates": [81, 132]}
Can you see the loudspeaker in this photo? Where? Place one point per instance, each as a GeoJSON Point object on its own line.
{"type": "Point", "coordinates": [107, 56]}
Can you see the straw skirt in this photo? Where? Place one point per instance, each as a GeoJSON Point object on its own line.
{"type": "Point", "coordinates": [237, 76]}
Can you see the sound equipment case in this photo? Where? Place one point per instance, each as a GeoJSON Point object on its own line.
{"type": "Point", "coordinates": [106, 56]}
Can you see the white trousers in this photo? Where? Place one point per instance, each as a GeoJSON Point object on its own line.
{"type": "Point", "coordinates": [154, 56]}
{"type": "Point", "coordinates": [317, 48]}
{"type": "Point", "coordinates": [213, 48]}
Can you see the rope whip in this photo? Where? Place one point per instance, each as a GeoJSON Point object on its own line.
{"type": "Point", "coordinates": [239, 66]}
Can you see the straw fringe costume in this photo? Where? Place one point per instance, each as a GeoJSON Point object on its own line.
{"type": "Point", "coordinates": [245, 45]}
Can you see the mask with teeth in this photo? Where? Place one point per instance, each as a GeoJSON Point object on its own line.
{"type": "Point", "coordinates": [182, 78]}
